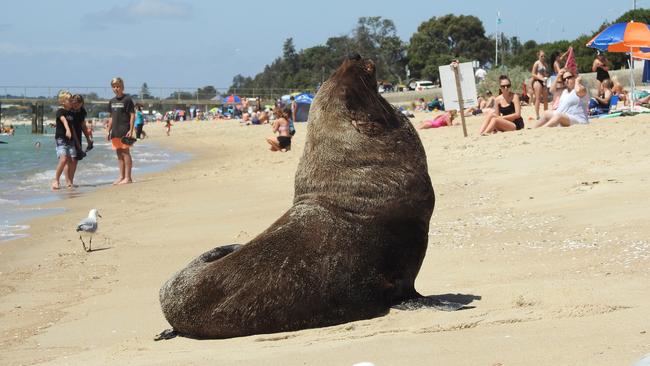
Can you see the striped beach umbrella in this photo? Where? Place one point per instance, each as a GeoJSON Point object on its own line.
{"type": "Point", "coordinates": [623, 37]}
{"type": "Point", "coordinates": [232, 99]}
{"type": "Point", "coordinates": [628, 37]}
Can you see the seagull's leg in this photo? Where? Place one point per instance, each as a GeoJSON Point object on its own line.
{"type": "Point", "coordinates": [82, 242]}
{"type": "Point", "coordinates": [90, 243]}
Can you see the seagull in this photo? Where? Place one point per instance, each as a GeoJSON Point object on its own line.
{"type": "Point", "coordinates": [88, 225]}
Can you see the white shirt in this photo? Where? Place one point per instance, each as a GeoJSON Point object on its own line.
{"type": "Point", "coordinates": [480, 74]}
{"type": "Point", "coordinates": [573, 106]}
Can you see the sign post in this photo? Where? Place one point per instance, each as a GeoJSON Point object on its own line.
{"type": "Point", "coordinates": [458, 88]}
{"type": "Point", "coordinates": [461, 105]}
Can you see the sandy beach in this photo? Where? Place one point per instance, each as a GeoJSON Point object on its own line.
{"type": "Point", "coordinates": [545, 229]}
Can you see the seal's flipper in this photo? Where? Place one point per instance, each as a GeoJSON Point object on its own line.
{"type": "Point", "coordinates": [219, 252]}
{"type": "Point", "coordinates": [428, 303]}
{"type": "Point", "coordinates": [166, 334]}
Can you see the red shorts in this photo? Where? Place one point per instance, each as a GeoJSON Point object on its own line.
{"type": "Point", "coordinates": [118, 144]}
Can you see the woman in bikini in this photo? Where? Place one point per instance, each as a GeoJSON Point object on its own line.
{"type": "Point", "coordinates": [282, 142]}
{"type": "Point", "coordinates": [507, 113]}
{"type": "Point", "coordinates": [538, 83]}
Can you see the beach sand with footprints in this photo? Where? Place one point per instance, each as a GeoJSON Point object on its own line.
{"type": "Point", "coordinates": [543, 232]}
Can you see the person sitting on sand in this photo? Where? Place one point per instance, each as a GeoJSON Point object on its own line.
{"type": "Point", "coordinates": [507, 114]}
{"type": "Point", "coordinates": [619, 91]}
{"type": "Point", "coordinates": [420, 105]}
{"type": "Point", "coordinates": [573, 105]}
{"type": "Point", "coordinates": [441, 120]}
{"type": "Point", "coordinates": [436, 105]}
{"type": "Point", "coordinates": [600, 103]}
{"type": "Point", "coordinates": [557, 88]}
{"type": "Point", "coordinates": [282, 142]}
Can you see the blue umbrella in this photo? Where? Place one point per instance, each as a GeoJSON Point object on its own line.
{"type": "Point", "coordinates": [624, 37]}
{"type": "Point", "coordinates": [232, 99]}
{"type": "Point", "coordinates": [304, 98]}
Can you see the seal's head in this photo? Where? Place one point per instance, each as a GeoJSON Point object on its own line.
{"type": "Point", "coordinates": [351, 95]}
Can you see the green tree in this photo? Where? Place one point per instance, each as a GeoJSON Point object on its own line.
{"type": "Point", "coordinates": [377, 39]}
{"type": "Point", "coordinates": [207, 92]}
{"type": "Point", "coordinates": [440, 40]}
{"type": "Point", "coordinates": [144, 91]}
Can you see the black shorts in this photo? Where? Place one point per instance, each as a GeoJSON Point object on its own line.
{"type": "Point", "coordinates": [519, 123]}
{"type": "Point", "coordinates": [284, 141]}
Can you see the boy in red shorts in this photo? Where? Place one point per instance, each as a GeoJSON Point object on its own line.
{"type": "Point", "coordinates": [120, 125]}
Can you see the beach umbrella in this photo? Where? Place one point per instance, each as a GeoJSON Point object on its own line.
{"type": "Point", "coordinates": [232, 99]}
{"type": "Point", "coordinates": [304, 98]}
{"type": "Point", "coordinates": [628, 37]}
{"type": "Point", "coordinates": [623, 37]}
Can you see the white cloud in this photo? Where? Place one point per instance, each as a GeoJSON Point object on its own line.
{"type": "Point", "coordinates": [139, 11]}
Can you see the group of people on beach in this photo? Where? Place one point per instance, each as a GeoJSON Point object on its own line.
{"type": "Point", "coordinates": [570, 104]}
{"type": "Point", "coordinates": [71, 124]}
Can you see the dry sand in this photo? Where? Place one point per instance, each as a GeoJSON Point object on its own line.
{"type": "Point", "coordinates": [547, 229]}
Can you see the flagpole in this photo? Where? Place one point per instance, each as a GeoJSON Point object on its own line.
{"type": "Point", "coordinates": [496, 43]}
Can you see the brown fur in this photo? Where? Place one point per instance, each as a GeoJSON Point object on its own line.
{"type": "Point", "coordinates": [351, 245]}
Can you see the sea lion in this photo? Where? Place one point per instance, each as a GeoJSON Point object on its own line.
{"type": "Point", "coordinates": [349, 247]}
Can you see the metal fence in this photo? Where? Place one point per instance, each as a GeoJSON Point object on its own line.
{"type": "Point", "coordinates": [179, 94]}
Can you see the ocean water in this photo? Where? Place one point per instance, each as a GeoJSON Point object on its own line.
{"type": "Point", "coordinates": [26, 172]}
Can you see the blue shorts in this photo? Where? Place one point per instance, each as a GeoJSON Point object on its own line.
{"type": "Point", "coordinates": [65, 148]}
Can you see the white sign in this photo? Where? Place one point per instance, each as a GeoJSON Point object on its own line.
{"type": "Point", "coordinates": [467, 86]}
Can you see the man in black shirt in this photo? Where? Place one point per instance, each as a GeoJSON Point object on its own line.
{"type": "Point", "coordinates": [120, 125]}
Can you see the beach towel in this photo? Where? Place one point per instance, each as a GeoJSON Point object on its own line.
{"type": "Point", "coordinates": [571, 63]}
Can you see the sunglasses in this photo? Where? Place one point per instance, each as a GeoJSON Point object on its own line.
{"type": "Point", "coordinates": [505, 86]}
{"type": "Point", "coordinates": [568, 77]}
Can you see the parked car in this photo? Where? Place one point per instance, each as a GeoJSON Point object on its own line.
{"type": "Point", "coordinates": [421, 85]}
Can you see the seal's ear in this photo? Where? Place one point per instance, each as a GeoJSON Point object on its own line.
{"type": "Point", "coordinates": [355, 56]}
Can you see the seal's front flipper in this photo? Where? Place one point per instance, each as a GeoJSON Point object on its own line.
{"type": "Point", "coordinates": [430, 303]}
{"type": "Point", "coordinates": [166, 334]}
{"type": "Point", "coordinates": [219, 252]}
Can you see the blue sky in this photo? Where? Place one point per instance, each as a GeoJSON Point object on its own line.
{"type": "Point", "coordinates": [190, 43]}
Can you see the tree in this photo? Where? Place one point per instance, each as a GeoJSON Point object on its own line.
{"type": "Point", "coordinates": [376, 38]}
{"type": "Point", "coordinates": [144, 91]}
{"type": "Point", "coordinates": [438, 41]}
{"type": "Point", "coordinates": [207, 92]}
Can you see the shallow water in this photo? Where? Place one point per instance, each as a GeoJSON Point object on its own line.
{"type": "Point", "coordinates": [27, 170]}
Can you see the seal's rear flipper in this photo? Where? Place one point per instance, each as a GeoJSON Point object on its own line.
{"type": "Point", "coordinates": [429, 303]}
{"type": "Point", "coordinates": [166, 334]}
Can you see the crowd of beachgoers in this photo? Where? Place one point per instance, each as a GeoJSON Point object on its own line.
{"type": "Point", "coordinates": [558, 89]}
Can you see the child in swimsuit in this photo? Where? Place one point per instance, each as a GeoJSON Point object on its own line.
{"type": "Point", "coordinates": [445, 119]}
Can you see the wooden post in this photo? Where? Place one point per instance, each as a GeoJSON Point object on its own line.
{"type": "Point", "coordinates": [34, 118]}
{"type": "Point", "coordinates": [39, 123]}
{"type": "Point", "coordinates": [461, 103]}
